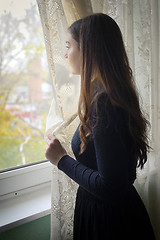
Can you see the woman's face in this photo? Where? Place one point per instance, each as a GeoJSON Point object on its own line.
{"type": "Point", "coordinates": [73, 54]}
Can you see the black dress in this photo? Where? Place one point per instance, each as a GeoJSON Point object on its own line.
{"type": "Point", "coordinates": [107, 204]}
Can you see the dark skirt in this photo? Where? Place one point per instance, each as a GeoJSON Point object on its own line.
{"type": "Point", "coordinates": [95, 219]}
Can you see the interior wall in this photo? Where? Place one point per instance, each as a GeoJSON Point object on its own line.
{"type": "Point", "coordinates": [38, 229]}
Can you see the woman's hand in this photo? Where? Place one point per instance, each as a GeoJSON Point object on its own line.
{"type": "Point", "coordinates": [54, 150]}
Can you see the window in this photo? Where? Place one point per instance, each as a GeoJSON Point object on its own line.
{"type": "Point", "coordinates": [25, 98]}
{"type": "Point", "coordinates": [25, 86]}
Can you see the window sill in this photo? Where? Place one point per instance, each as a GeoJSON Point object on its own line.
{"type": "Point", "coordinates": [25, 207]}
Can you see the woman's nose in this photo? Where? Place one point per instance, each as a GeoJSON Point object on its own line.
{"type": "Point", "coordinates": [66, 56]}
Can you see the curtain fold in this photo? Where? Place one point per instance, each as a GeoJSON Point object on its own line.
{"type": "Point", "coordinates": [139, 22]}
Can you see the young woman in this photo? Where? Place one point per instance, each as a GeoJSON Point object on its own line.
{"type": "Point", "coordinates": [111, 139]}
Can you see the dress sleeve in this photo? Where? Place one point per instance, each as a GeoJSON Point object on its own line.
{"type": "Point", "coordinates": [110, 181]}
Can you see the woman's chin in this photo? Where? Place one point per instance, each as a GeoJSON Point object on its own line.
{"type": "Point", "coordinates": [75, 73]}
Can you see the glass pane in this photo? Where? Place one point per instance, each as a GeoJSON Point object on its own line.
{"type": "Point", "coordinates": [25, 86]}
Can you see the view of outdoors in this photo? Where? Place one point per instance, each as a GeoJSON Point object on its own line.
{"type": "Point", "coordinates": [25, 85]}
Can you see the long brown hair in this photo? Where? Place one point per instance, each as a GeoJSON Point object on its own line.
{"type": "Point", "coordinates": [105, 63]}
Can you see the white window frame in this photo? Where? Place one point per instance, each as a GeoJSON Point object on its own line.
{"type": "Point", "coordinates": [23, 186]}
{"type": "Point", "coordinates": [25, 177]}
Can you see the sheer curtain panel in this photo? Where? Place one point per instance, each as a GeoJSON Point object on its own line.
{"type": "Point", "coordinates": [139, 23]}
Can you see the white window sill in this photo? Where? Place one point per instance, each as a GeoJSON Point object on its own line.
{"type": "Point", "coordinates": [25, 207]}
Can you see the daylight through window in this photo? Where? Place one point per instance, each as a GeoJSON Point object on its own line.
{"type": "Point", "coordinates": [25, 87]}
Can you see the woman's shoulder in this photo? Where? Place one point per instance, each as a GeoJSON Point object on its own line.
{"type": "Point", "coordinates": [100, 99]}
{"type": "Point", "coordinates": [104, 109]}
{"type": "Point", "coordinates": [101, 103]}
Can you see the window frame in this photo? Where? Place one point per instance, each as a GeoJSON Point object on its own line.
{"type": "Point", "coordinates": [28, 186]}
{"type": "Point", "coordinates": [24, 178]}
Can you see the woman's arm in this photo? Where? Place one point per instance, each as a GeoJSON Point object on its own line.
{"type": "Point", "coordinates": [110, 181]}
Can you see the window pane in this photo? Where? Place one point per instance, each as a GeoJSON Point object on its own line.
{"type": "Point", "coordinates": [25, 86]}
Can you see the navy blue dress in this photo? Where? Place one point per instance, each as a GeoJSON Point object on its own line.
{"type": "Point", "coordinates": [107, 204]}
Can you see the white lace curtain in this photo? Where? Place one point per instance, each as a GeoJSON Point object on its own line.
{"type": "Point", "coordinates": [139, 23]}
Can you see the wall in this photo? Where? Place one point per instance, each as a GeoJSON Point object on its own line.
{"type": "Point", "coordinates": [38, 229]}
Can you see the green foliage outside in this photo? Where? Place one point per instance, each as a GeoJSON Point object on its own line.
{"type": "Point", "coordinates": [13, 132]}
{"type": "Point", "coordinates": [9, 153]}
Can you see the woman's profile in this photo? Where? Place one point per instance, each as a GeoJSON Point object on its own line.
{"type": "Point", "coordinates": [111, 139]}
